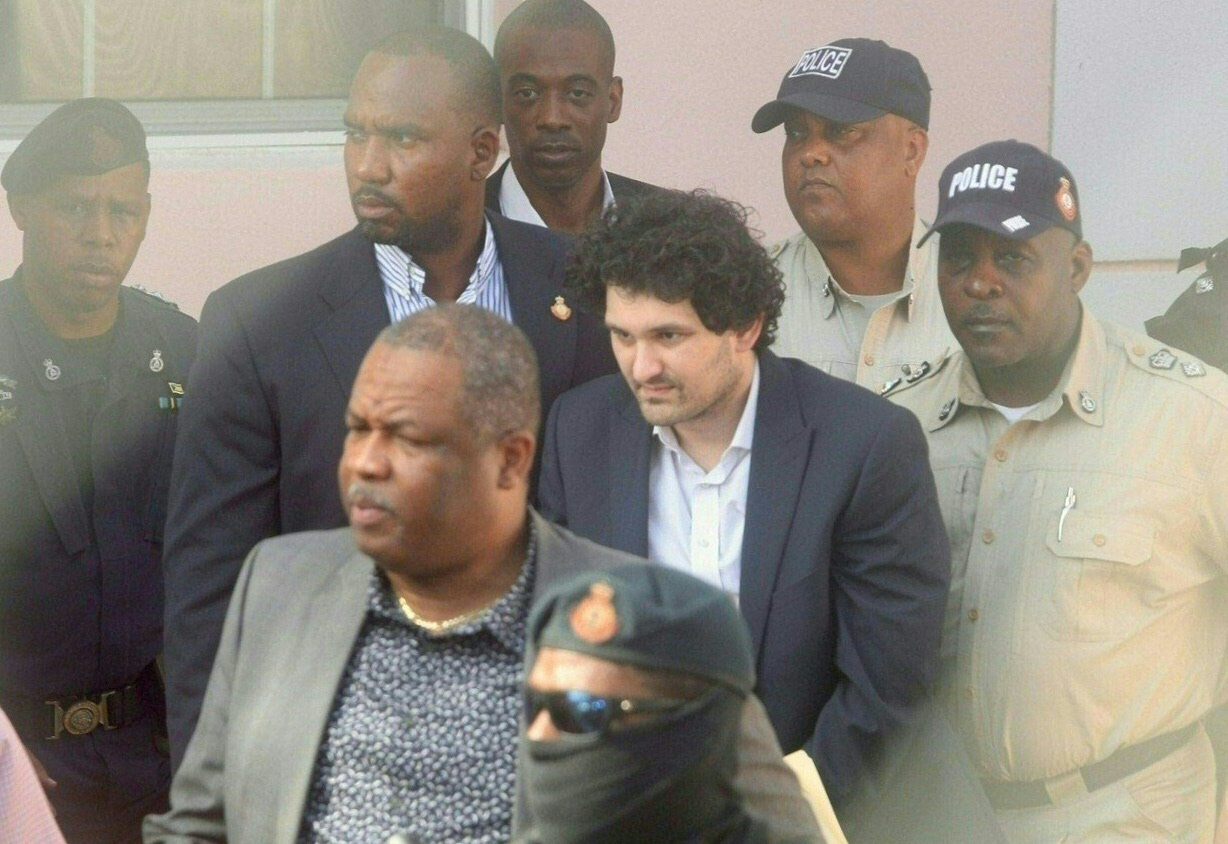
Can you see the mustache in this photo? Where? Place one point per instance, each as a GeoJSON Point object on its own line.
{"type": "Point", "coordinates": [981, 312]}
{"type": "Point", "coordinates": [368, 192]}
{"type": "Point", "coordinates": [365, 495]}
{"type": "Point", "coordinates": [659, 381]}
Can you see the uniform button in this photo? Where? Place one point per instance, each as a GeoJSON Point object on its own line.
{"type": "Point", "coordinates": [869, 360]}
{"type": "Point", "coordinates": [1099, 539]}
{"type": "Point", "coordinates": [1138, 349]}
{"type": "Point", "coordinates": [973, 615]}
{"type": "Point", "coordinates": [1000, 455]}
{"type": "Point", "coordinates": [906, 369]}
{"type": "Point", "coordinates": [968, 693]}
{"type": "Point", "coordinates": [987, 537]}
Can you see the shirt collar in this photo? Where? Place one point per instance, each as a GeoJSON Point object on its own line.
{"type": "Point", "coordinates": [1080, 386]}
{"type": "Point", "coordinates": [391, 255]}
{"type": "Point", "coordinates": [920, 265]}
{"type": "Point", "coordinates": [515, 205]}
{"type": "Point", "coordinates": [743, 435]}
{"type": "Point", "coordinates": [505, 619]}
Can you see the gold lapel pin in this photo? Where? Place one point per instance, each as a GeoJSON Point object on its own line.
{"type": "Point", "coordinates": [560, 309]}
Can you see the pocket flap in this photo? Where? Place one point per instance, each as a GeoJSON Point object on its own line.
{"type": "Point", "coordinates": [1108, 538]}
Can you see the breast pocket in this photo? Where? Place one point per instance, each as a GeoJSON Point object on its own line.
{"type": "Point", "coordinates": [1094, 582]}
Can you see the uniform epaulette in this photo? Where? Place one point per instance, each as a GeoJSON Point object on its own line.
{"type": "Point", "coordinates": [152, 295]}
{"type": "Point", "coordinates": [1158, 359]}
{"type": "Point", "coordinates": [922, 372]}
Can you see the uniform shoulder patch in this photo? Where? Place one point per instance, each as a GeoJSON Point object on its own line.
{"type": "Point", "coordinates": [152, 295]}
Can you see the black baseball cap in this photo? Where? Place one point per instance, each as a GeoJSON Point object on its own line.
{"type": "Point", "coordinates": [648, 616]}
{"type": "Point", "coordinates": [850, 81]}
{"type": "Point", "coordinates": [84, 137]}
{"type": "Point", "coordinates": [1009, 188]}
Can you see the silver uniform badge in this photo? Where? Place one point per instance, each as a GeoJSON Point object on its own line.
{"type": "Point", "coordinates": [1204, 285]}
{"type": "Point", "coordinates": [1193, 369]}
{"type": "Point", "coordinates": [155, 362]}
{"type": "Point", "coordinates": [51, 370]}
{"type": "Point", "coordinates": [827, 288]}
{"type": "Point", "coordinates": [889, 386]}
{"type": "Point", "coordinates": [1086, 401]}
{"type": "Point", "coordinates": [1163, 359]}
{"type": "Point", "coordinates": [946, 410]}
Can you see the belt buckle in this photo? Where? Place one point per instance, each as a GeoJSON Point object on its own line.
{"type": "Point", "coordinates": [82, 717]}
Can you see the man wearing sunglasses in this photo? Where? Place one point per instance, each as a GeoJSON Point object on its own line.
{"type": "Point", "coordinates": [368, 680]}
{"type": "Point", "coordinates": [636, 680]}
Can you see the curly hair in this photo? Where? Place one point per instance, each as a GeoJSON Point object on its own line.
{"type": "Point", "coordinates": [677, 246]}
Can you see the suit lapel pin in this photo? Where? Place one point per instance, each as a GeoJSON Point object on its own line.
{"type": "Point", "coordinates": [1163, 359]}
{"type": "Point", "coordinates": [51, 370]}
{"type": "Point", "coordinates": [155, 362]}
{"type": "Point", "coordinates": [560, 309]}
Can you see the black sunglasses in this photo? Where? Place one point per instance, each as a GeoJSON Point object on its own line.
{"type": "Point", "coordinates": [581, 713]}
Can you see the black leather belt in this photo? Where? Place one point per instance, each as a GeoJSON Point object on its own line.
{"type": "Point", "coordinates": [80, 715]}
{"type": "Point", "coordinates": [1117, 766]}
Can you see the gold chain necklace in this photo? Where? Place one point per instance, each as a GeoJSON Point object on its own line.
{"type": "Point", "coordinates": [437, 627]}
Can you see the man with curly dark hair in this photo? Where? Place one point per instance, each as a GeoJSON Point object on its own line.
{"type": "Point", "coordinates": [809, 499]}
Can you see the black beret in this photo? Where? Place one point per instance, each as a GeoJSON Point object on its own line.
{"type": "Point", "coordinates": [81, 138]}
{"type": "Point", "coordinates": [648, 616]}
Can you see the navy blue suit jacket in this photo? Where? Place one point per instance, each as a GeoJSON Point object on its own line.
{"type": "Point", "coordinates": [845, 561]}
{"type": "Point", "coordinates": [261, 436]}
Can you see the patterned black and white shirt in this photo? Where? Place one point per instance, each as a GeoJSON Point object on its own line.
{"type": "Point", "coordinates": [423, 733]}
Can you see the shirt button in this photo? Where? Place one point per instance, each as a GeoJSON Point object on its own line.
{"type": "Point", "coordinates": [987, 537]}
{"type": "Point", "coordinates": [869, 360]}
{"type": "Point", "coordinates": [1000, 455]}
{"type": "Point", "coordinates": [1138, 349]}
{"type": "Point", "coordinates": [1099, 539]}
{"type": "Point", "coordinates": [973, 615]}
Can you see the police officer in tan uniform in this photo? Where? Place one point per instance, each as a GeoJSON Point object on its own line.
{"type": "Point", "coordinates": [1082, 471]}
{"type": "Point", "coordinates": [860, 302]}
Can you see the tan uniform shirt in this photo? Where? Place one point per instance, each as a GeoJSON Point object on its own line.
{"type": "Point", "coordinates": [1089, 542]}
{"type": "Point", "coordinates": [898, 337]}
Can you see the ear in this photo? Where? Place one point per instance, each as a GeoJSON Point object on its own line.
{"type": "Point", "coordinates": [746, 339]}
{"type": "Point", "coordinates": [916, 144]}
{"type": "Point", "coordinates": [484, 151]}
{"type": "Point", "coordinates": [516, 459]}
{"type": "Point", "coordinates": [1080, 265]}
{"type": "Point", "coordinates": [616, 99]}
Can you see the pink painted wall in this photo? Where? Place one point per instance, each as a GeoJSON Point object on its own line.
{"type": "Point", "coordinates": [694, 71]}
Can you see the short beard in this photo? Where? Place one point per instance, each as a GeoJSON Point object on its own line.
{"type": "Point", "coordinates": [414, 238]}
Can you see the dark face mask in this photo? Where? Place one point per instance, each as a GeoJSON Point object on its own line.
{"type": "Point", "coordinates": [666, 780]}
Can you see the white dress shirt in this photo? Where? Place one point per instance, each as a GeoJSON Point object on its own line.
{"type": "Point", "coordinates": [514, 202]}
{"type": "Point", "coordinates": [404, 279]}
{"type": "Point", "coordinates": [695, 518]}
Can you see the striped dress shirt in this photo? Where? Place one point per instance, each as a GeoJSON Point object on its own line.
{"type": "Point", "coordinates": [404, 279]}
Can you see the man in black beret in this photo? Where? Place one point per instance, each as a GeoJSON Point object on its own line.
{"type": "Point", "coordinates": [91, 376]}
{"type": "Point", "coordinates": [637, 676]}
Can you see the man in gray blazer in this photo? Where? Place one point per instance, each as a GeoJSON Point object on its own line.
{"type": "Point", "coordinates": [368, 679]}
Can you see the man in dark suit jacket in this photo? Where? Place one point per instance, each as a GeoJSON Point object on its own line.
{"type": "Point", "coordinates": [809, 498]}
{"type": "Point", "coordinates": [556, 68]}
{"type": "Point", "coordinates": [280, 346]}
{"type": "Point", "coordinates": [368, 680]}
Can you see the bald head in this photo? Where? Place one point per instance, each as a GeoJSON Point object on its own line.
{"type": "Point", "coordinates": [553, 16]}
